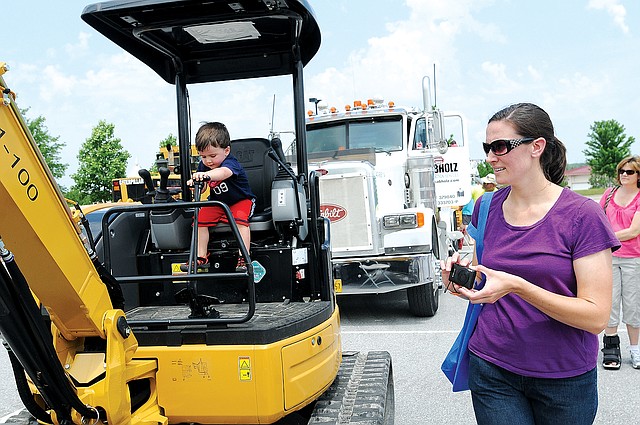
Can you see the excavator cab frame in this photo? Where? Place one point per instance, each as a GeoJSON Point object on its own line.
{"type": "Point", "coordinates": [108, 331]}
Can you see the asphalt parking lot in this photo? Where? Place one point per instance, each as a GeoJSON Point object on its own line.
{"type": "Point", "coordinates": [417, 346]}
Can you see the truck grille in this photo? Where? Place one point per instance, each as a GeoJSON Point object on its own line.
{"type": "Point", "coordinates": [347, 203]}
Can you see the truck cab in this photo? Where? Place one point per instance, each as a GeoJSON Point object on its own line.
{"type": "Point", "coordinates": [391, 178]}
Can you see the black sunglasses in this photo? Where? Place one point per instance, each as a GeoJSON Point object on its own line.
{"type": "Point", "coordinates": [504, 146]}
{"type": "Point", "coordinates": [627, 172]}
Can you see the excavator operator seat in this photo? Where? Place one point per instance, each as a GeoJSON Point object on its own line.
{"type": "Point", "coordinates": [252, 153]}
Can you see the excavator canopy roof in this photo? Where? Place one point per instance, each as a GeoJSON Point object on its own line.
{"type": "Point", "coordinates": [210, 40]}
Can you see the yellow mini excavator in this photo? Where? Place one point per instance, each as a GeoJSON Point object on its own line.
{"type": "Point", "coordinates": [104, 327]}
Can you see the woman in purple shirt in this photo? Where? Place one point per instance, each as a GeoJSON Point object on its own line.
{"type": "Point", "coordinates": [547, 262]}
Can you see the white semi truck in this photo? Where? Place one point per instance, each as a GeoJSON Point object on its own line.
{"type": "Point", "coordinates": [391, 179]}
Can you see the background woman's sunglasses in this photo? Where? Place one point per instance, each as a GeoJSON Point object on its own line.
{"type": "Point", "coordinates": [627, 172]}
{"type": "Point", "coordinates": [504, 146]}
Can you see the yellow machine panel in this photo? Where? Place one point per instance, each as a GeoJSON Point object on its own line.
{"type": "Point", "coordinates": [309, 362]}
{"type": "Point", "coordinates": [246, 382]}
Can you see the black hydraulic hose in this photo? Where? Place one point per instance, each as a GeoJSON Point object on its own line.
{"type": "Point", "coordinates": [16, 333]}
{"type": "Point", "coordinates": [113, 287]}
{"type": "Point", "coordinates": [24, 391]}
{"type": "Point", "coordinates": [46, 370]}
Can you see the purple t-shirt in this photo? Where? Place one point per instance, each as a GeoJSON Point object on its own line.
{"type": "Point", "coordinates": [512, 333]}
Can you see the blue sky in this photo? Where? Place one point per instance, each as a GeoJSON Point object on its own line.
{"type": "Point", "coordinates": [578, 59]}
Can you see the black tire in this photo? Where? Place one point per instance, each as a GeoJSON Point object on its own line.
{"type": "Point", "coordinates": [423, 300]}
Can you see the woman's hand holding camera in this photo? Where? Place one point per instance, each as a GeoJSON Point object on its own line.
{"type": "Point", "coordinates": [497, 285]}
{"type": "Point", "coordinates": [459, 276]}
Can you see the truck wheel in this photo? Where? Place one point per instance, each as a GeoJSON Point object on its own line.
{"type": "Point", "coordinates": [423, 300]}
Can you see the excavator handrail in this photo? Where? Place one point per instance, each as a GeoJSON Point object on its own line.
{"type": "Point", "coordinates": [106, 219]}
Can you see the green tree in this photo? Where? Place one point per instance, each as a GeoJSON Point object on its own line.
{"type": "Point", "coordinates": [170, 140]}
{"type": "Point", "coordinates": [49, 145]}
{"type": "Point", "coordinates": [607, 146]}
{"type": "Point", "coordinates": [102, 159]}
{"type": "Point", "coordinates": [484, 168]}
{"type": "Point", "coordinates": [75, 195]}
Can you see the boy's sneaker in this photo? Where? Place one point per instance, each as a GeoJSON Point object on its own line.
{"type": "Point", "coordinates": [241, 267]}
{"type": "Point", "coordinates": [635, 359]}
{"type": "Point", "coordinates": [201, 264]}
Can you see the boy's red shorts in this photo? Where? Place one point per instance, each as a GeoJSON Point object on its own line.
{"type": "Point", "coordinates": [241, 211]}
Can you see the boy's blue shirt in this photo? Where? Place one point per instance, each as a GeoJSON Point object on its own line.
{"type": "Point", "coordinates": [233, 189]}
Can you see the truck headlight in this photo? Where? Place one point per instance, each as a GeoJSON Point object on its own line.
{"type": "Point", "coordinates": [390, 221]}
{"type": "Point", "coordinates": [403, 221]}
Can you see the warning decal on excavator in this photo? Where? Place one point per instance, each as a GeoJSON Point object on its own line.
{"type": "Point", "coordinates": [244, 368]}
{"type": "Point", "coordinates": [185, 370]}
{"type": "Point", "coordinates": [258, 271]}
{"type": "Point", "coordinates": [337, 285]}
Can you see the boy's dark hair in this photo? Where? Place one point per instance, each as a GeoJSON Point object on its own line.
{"type": "Point", "coordinates": [531, 120]}
{"type": "Point", "coordinates": [213, 134]}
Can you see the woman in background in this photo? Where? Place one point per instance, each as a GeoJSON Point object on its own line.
{"type": "Point", "coordinates": [622, 206]}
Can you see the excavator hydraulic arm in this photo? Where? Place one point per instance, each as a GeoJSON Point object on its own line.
{"type": "Point", "coordinates": [36, 225]}
{"type": "Point", "coordinates": [46, 264]}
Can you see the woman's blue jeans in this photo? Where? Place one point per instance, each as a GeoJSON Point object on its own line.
{"type": "Point", "coordinates": [502, 397]}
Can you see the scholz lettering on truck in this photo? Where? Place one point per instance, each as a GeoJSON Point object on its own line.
{"type": "Point", "coordinates": [450, 167]}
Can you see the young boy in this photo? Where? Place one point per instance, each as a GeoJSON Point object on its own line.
{"type": "Point", "coordinates": [228, 183]}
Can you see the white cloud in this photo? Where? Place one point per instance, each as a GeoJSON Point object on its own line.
{"type": "Point", "coordinates": [535, 74]}
{"type": "Point", "coordinates": [395, 61]}
{"type": "Point", "coordinates": [79, 48]}
{"type": "Point", "coordinates": [55, 84]}
{"type": "Point", "coordinates": [577, 90]}
{"type": "Point", "coordinates": [501, 83]}
{"type": "Point", "coordinates": [616, 10]}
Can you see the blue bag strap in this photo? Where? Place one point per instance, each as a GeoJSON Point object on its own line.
{"type": "Point", "coordinates": [456, 365]}
{"type": "Point", "coordinates": [478, 233]}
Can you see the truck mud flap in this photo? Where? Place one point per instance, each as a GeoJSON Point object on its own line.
{"type": "Point", "coordinates": [362, 393]}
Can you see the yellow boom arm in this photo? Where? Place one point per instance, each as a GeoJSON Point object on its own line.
{"type": "Point", "coordinates": [36, 225]}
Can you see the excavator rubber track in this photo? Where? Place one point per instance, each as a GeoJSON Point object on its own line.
{"type": "Point", "coordinates": [362, 393]}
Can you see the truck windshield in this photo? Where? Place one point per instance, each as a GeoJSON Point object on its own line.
{"type": "Point", "coordinates": [381, 134]}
